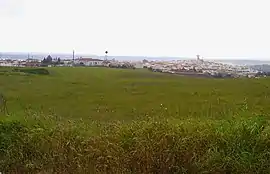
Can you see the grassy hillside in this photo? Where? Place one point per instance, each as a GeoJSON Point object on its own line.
{"type": "Point", "coordinates": [111, 94]}
{"type": "Point", "coordinates": [81, 120]}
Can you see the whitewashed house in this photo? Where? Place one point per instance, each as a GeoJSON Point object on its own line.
{"type": "Point", "coordinates": [88, 62]}
{"type": "Point", "coordinates": [7, 63]}
{"type": "Point", "coordinates": [138, 65]}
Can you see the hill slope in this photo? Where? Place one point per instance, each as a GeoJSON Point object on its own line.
{"type": "Point", "coordinates": [86, 120]}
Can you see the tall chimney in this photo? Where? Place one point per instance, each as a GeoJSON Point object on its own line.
{"type": "Point", "coordinates": [73, 55]}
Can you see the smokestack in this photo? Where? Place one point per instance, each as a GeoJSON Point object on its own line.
{"type": "Point", "coordinates": [73, 57]}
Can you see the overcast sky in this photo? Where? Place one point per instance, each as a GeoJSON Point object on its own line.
{"type": "Point", "coordinates": [212, 28]}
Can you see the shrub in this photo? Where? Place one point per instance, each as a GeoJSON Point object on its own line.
{"type": "Point", "coordinates": [41, 71]}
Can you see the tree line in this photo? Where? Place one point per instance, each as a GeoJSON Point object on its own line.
{"type": "Point", "coordinates": [50, 61]}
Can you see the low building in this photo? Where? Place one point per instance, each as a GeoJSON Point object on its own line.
{"type": "Point", "coordinates": [32, 64]}
{"type": "Point", "coordinates": [138, 65]}
{"type": "Point", "coordinates": [88, 62]}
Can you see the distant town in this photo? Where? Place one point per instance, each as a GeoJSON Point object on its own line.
{"type": "Point", "coordinates": [191, 67]}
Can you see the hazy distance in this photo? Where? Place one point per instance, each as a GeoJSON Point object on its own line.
{"type": "Point", "coordinates": [154, 28]}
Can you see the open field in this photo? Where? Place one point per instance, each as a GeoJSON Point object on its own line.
{"type": "Point", "coordinates": [99, 120]}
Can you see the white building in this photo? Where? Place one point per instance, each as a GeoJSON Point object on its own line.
{"type": "Point", "coordinates": [7, 64]}
{"type": "Point", "coordinates": [88, 62]}
{"type": "Point", "coordinates": [138, 65]}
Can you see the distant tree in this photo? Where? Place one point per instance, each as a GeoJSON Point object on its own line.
{"type": "Point", "coordinates": [218, 75]}
{"type": "Point", "coordinates": [145, 61]}
{"type": "Point", "coordinates": [44, 60]}
{"type": "Point", "coordinates": [49, 59]}
{"type": "Point", "coordinates": [259, 74]}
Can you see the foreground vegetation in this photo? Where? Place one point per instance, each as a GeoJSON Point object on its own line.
{"type": "Point", "coordinates": [98, 120]}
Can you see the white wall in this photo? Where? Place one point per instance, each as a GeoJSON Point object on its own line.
{"type": "Point", "coordinates": [6, 64]}
{"type": "Point", "coordinates": [90, 63]}
{"type": "Point", "coordinates": [138, 65]}
{"type": "Point", "coordinates": [93, 63]}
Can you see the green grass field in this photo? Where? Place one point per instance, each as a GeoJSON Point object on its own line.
{"type": "Point", "coordinates": [99, 120]}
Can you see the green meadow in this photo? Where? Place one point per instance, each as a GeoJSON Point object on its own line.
{"type": "Point", "coordinates": [101, 120]}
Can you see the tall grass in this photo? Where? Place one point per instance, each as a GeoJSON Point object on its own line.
{"type": "Point", "coordinates": [95, 120]}
{"type": "Point", "coordinates": [238, 146]}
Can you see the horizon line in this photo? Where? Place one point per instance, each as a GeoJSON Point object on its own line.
{"type": "Point", "coordinates": [181, 57]}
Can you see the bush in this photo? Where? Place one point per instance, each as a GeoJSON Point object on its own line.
{"type": "Point", "coordinates": [41, 71]}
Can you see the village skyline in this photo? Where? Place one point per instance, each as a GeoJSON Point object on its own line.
{"type": "Point", "coordinates": [41, 55]}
